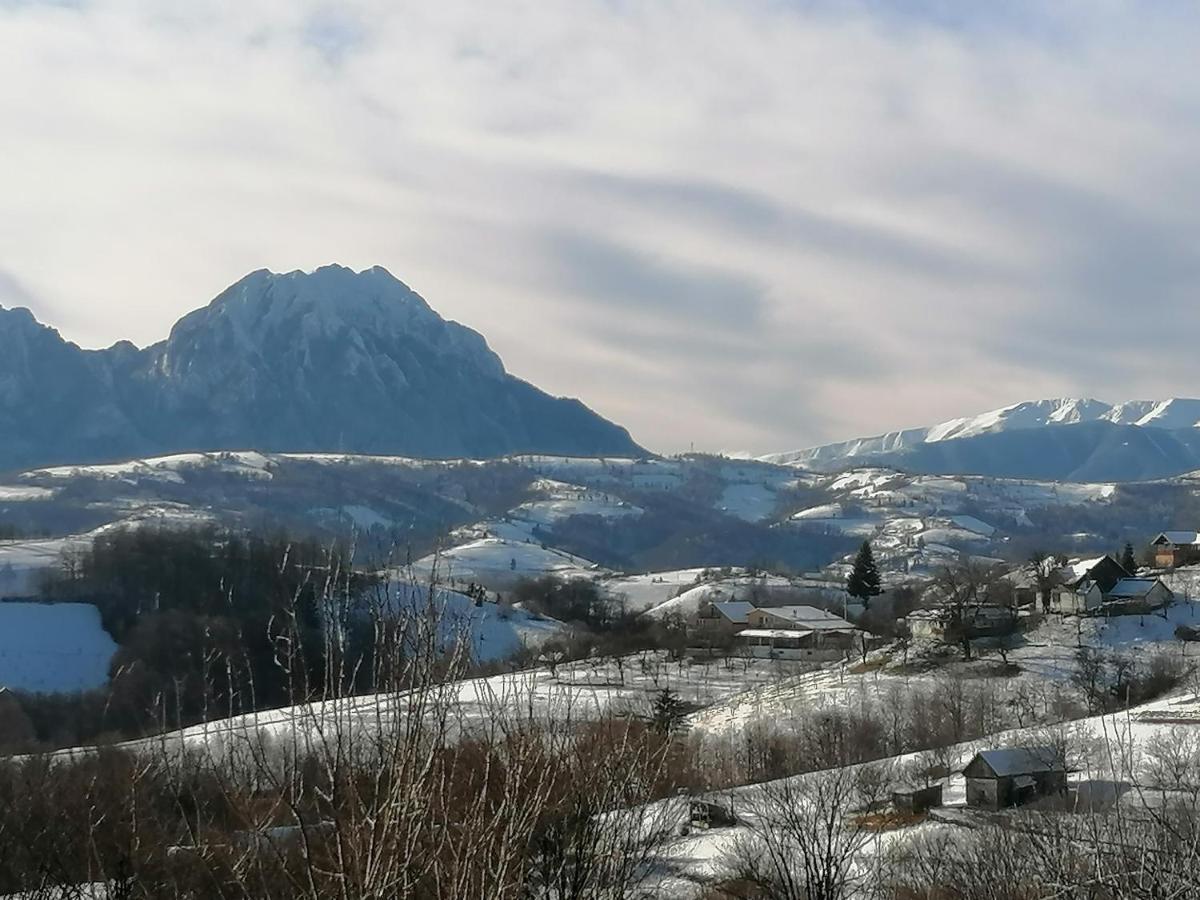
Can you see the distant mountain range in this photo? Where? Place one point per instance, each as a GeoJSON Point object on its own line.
{"type": "Point", "coordinates": [333, 361]}
{"type": "Point", "coordinates": [1062, 440]}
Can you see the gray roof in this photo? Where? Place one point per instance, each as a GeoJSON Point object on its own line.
{"type": "Point", "coordinates": [1179, 537]}
{"type": "Point", "coordinates": [734, 610]}
{"type": "Point", "coordinates": [1022, 760]}
{"type": "Point", "coordinates": [808, 617]}
{"type": "Point", "coordinates": [1129, 588]}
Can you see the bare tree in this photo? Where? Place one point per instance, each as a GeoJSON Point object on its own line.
{"type": "Point", "coordinates": [963, 588]}
{"type": "Point", "coordinates": [803, 835]}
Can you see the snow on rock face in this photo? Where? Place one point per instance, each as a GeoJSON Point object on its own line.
{"type": "Point", "coordinates": [53, 647]}
{"type": "Point", "coordinates": [913, 445]}
{"type": "Point", "coordinates": [332, 360]}
{"type": "Point", "coordinates": [1177, 413]}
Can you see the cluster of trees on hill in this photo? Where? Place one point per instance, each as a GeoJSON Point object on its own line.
{"type": "Point", "coordinates": [196, 615]}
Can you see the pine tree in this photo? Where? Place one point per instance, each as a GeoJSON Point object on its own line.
{"type": "Point", "coordinates": [1128, 561]}
{"type": "Point", "coordinates": [863, 582]}
{"type": "Point", "coordinates": [668, 713]}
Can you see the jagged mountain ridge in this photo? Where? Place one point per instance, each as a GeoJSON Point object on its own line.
{"type": "Point", "coordinates": [1064, 439]}
{"type": "Point", "coordinates": [331, 360]}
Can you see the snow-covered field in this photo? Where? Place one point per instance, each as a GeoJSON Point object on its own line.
{"type": "Point", "coordinates": [578, 691]}
{"type": "Point", "coordinates": [641, 592]}
{"type": "Point", "coordinates": [53, 647]}
{"type": "Point", "coordinates": [166, 468]}
{"type": "Point", "coordinates": [21, 562]}
{"type": "Point", "coordinates": [498, 563]}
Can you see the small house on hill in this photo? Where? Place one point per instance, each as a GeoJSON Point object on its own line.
{"type": "Point", "coordinates": [1132, 596]}
{"type": "Point", "coordinates": [1010, 776]}
{"type": "Point", "coordinates": [798, 632]}
{"type": "Point", "coordinates": [1084, 585]}
{"type": "Point", "coordinates": [1176, 548]}
{"type": "Point", "coordinates": [942, 622]}
{"type": "Point", "coordinates": [724, 616]}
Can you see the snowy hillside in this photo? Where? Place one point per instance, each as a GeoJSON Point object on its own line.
{"type": "Point", "coordinates": [49, 647]}
{"type": "Point", "coordinates": [495, 631]}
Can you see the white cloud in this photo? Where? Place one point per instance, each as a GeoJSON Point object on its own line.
{"type": "Point", "coordinates": [750, 225]}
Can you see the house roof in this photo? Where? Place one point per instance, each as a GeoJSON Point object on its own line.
{"type": "Point", "coordinates": [775, 632]}
{"type": "Point", "coordinates": [1177, 537]}
{"type": "Point", "coordinates": [1077, 570]}
{"type": "Point", "coordinates": [734, 610]}
{"type": "Point", "coordinates": [1007, 761]}
{"type": "Point", "coordinates": [1128, 588]}
{"type": "Point", "coordinates": [809, 617]}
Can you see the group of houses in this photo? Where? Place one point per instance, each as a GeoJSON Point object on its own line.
{"type": "Point", "coordinates": [1104, 585]}
{"type": "Point", "coordinates": [780, 632]}
{"type": "Point", "coordinates": [1098, 586]}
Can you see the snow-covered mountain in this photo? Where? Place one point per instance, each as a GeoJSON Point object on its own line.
{"type": "Point", "coordinates": [331, 360]}
{"type": "Point", "coordinates": [1069, 439]}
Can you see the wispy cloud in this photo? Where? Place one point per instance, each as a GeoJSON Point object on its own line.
{"type": "Point", "coordinates": [751, 225]}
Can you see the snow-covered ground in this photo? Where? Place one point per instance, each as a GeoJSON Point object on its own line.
{"type": "Point", "coordinates": [1109, 750]}
{"type": "Point", "coordinates": [498, 563]}
{"type": "Point", "coordinates": [166, 468]}
{"type": "Point", "coordinates": [641, 592]}
{"type": "Point", "coordinates": [53, 647]}
{"type": "Point", "coordinates": [496, 631]}
{"type": "Point", "coordinates": [579, 691]}
{"type": "Point", "coordinates": [732, 587]}
{"type": "Point", "coordinates": [22, 562]}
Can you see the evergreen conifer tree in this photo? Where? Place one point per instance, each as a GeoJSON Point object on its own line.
{"type": "Point", "coordinates": [863, 582]}
{"type": "Point", "coordinates": [668, 712]}
{"type": "Point", "coordinates": [1128, 560]}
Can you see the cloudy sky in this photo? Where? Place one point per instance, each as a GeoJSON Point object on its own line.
{"type": "Point", "coordinates": [750, 225]}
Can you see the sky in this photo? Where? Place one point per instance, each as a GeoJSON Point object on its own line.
{"type": "Point", "coordinates": [741, 226]}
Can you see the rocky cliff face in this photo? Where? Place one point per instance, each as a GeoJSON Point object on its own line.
{"type": "Point", "coordinates": [329, 361]}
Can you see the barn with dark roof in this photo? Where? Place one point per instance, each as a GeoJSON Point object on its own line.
{"type": "Point", "coordinates": [1010, 776]}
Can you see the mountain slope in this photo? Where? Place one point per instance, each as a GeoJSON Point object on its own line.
{"type": "Point", "coordinates": [1065, 439]}
{"type": "Point", "coordinates": [333, 360]}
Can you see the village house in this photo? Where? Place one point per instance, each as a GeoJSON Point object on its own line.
{"type": "Point", "coordinates": [723, 617]}
{"type": "Point", "coordinates": [978, 621]}
{"type": "Point", "coordinates": [997, 779]}
{"type": "Point", "coordinates": [1101, 585]}
{"type": "Point", "coordinates": [1077, 601]}
{"type": "Point", "coordinates": [804, 617]}
{"type": "Point", "coordinates": [793, 643]}
{"type": "Point", "coordinates": [1103, 571]}
{"type": "Point", "coordinates": [1084, 583]}
{"type": "Point", "coordinates": [798, 632]}
{"type": "Point", "coordinates": [1175, 548]}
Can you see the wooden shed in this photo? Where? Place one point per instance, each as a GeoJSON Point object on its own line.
{"type": "Point", "coordinates": [1010, 776]}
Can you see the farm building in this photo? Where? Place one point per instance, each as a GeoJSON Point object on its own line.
{"type": "Point", "coordinates": [997, 779]}
{"type": "Point", "coordinates": [1131, 596]}
{"type": "Point", "coordinates": [1077, 601]}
